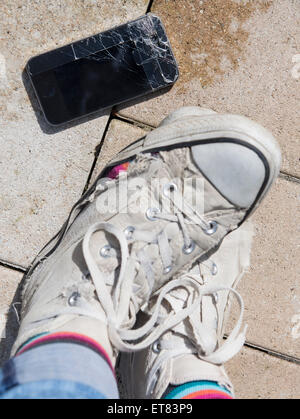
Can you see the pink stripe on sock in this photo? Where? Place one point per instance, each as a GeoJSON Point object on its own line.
{"type": "Point", "coordinates": [68, 336]}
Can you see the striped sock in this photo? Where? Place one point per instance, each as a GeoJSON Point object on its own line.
{"type": "Point", "coordinates": [199, 390]}
{"type": "Point", "coordinates": [66, 337]}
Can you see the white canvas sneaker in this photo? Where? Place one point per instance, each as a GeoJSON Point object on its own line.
{"type": "Point", "coordinates": [125, 238]}
{"type": "Point", "coordinates": [193, 350]}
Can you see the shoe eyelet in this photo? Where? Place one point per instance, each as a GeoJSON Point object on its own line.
{"type": "Point", "coordinates": [129, 232]}
{"type": "Point", "coordinates": [150, 213]}
{"type": "Point", "coordinates": [156, 347]}
{"type": "Point", "coordinates": [169, 187]}
{"type": "Point", "coordinates": [73, 298]}
{"type": "Point", "coordinates": [213, 226]}
{"type": "Point", "coordinates": [167, 269]}
{"type": "Point", "coordinates": [214, 269]}
{"type": "Point", "coordinates": [189, 249]}
{"type": "Point", "coordinates": [105, 251]}
{"type": "Point", "coordinates": [85, 276]}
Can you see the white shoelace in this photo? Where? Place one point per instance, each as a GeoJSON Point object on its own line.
{"type": "Point", "coordinates": [203, 344]}
{"type": "Point", "coordinates": [119, 303]}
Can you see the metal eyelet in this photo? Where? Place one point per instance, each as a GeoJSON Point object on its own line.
{"type": "Point", "coordinates": [85, 276]}
{"type": "Point", "coordinates": [189, 249]}
{"type": "Point", "coordinates": [105, 251]}
{"type": "Point", "coordinates": [167, 269]}
{"type": "Point", "coordinates": [73, 298]}
{"type": "Point", "coordinates": [156, 347]}
{"type": "Point", "coordinates": [129, 232]}
{"type": "Point", "coordinates": [213, 226]}
{"type": "Point", "coordinates": [169, 187]}
{"type": "Point", "coordinates": [150, 213]}
{"type": "Point", "coordinates": [214, 269]}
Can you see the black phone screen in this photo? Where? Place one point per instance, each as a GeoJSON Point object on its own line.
{"type": "Point", "coordinates": [103, 70]}
{"type": "Point", "coordinates": [85, 85]}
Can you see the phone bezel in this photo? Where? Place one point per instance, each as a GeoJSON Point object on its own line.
{"type": "Point", "coordinates": [146, 32]}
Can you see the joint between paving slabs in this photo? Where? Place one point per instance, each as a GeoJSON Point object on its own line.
{"type": "Point", "coordinates": [13, 266]}
{"type": "Point", "coordinates": [150, 4]}
{"type": "Point", "coordinates": [131, 121]}
{"type": "Point", "coordinates": [97, 154]}
{"type": "Point", "coordinates": [289, 177]}
{"type": "Point", "coordinates": [273, 353]}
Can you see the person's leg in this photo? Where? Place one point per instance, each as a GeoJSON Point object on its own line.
{"type": "Point", "coordinates": [59, 365]}
{"type": "Point", "coordinates": [64, 364]}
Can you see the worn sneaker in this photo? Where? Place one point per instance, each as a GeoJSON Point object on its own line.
{"type": "Point", "coordinates": [126, 237]}
{"type": "Point", "coordinates": [193, 350]}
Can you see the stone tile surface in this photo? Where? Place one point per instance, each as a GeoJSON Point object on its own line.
{"type": "Point", "coordinates": [119, 135]}
{"type": "Point", "coordinates": [256, 375]}
{"type": "Point", "coordinates": [234, 56]}
{"type": "Point", "coordinates": [9, 281]}
{"type": "Point", "coordinates": [43, 170]}
{"type": "Point", "coordinates": [271, 288]}
{"type": "Point", "coordinates": [237, 57]}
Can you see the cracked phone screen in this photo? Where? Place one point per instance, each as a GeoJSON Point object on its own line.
{"type": "Point", "coordinates": [85, 85]}
{"type": "Point", "coordinates": [103, 70]}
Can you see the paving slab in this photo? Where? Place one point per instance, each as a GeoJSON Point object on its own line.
{"type": "Point", "coordinates": [256, 375]}
{"type": "Point", "coordinates": [9, 281]}
{"type": "Point", "coordinates": [238, 57]}
{"type": "Point", "coordinates": [119, 135]}
{"type": "Point", "coordinates": [271, 289]}
{"type": "Point", "coordinates": [43, 170]}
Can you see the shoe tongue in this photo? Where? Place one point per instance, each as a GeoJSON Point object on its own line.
{"type": "Point", "coordinates": [205, 334]}
{"type": "Point", "coordinates": [174, 301]}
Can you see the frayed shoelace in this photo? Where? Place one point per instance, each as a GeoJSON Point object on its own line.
{"type": "Point", "coordinates": [119, 302]}
{"type": "Point", "coordinates": [200, 338]}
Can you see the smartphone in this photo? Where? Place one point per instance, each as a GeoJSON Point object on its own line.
{"type": "Point", "coordinates": [103, 70]}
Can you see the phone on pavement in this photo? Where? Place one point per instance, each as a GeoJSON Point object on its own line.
{"type": "Point", "coordinates": [103, 70]}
